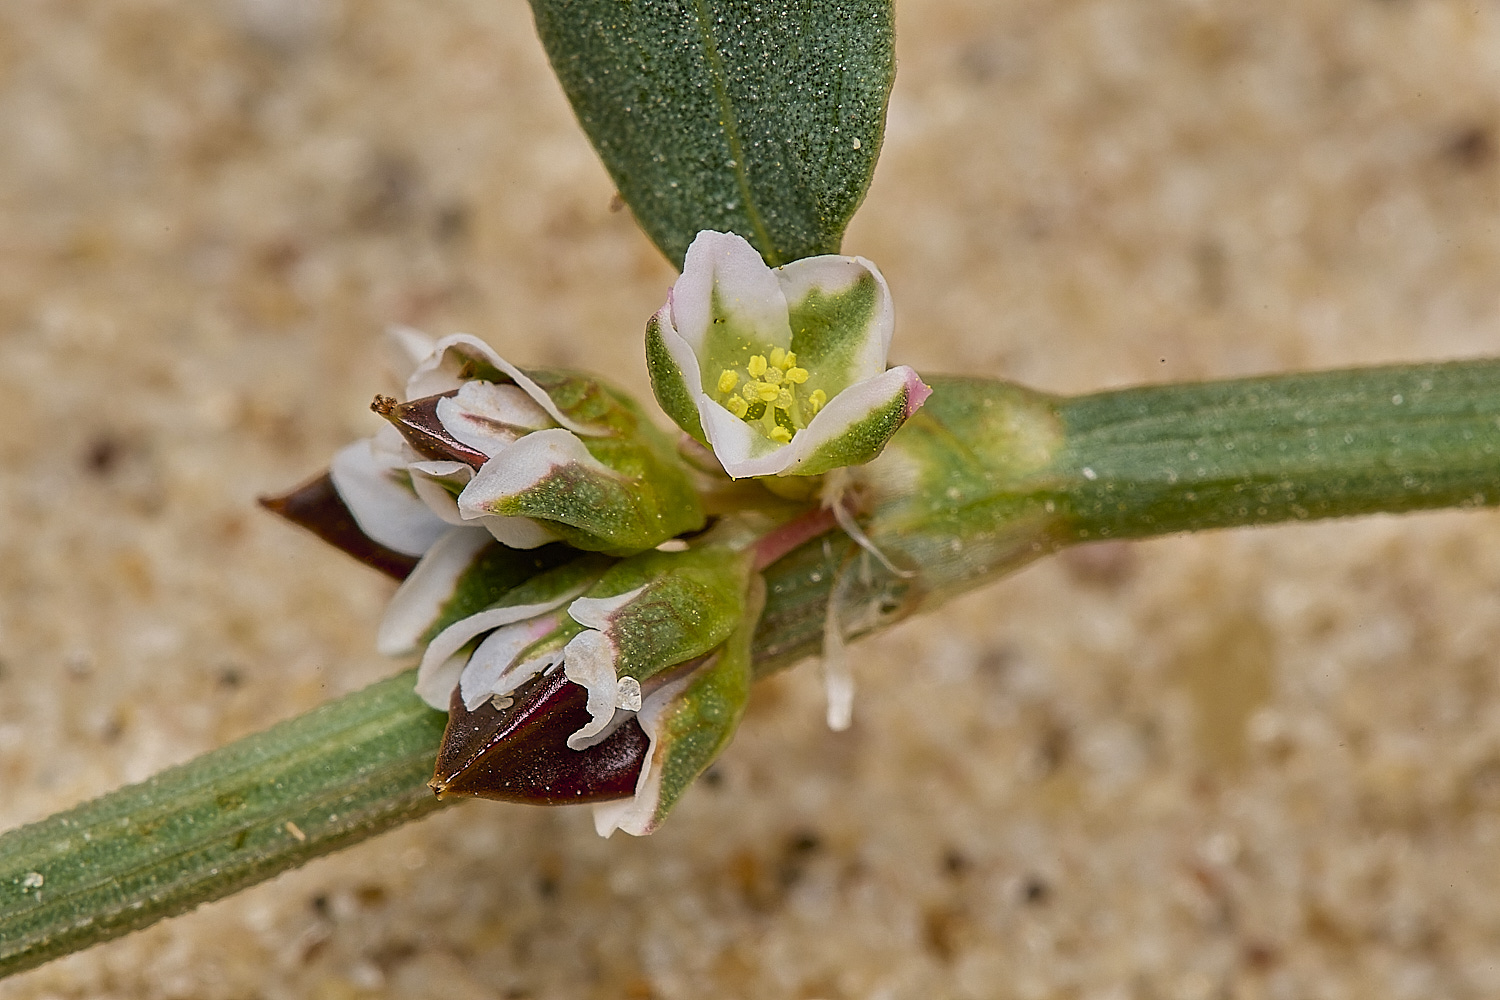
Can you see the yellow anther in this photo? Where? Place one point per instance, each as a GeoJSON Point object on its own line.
{"type": "Point", "coordinates": [778, 357]}
{"type": "Point", "coordinates": [737, 406]}
{"type": "Point", "coordinates": [768, 392]}
{"type": "Point", "coordinates": [751, 391]}
{"type": "Point", "coordinates": [796, 375]}
{"type": "Point", "coordinates": [756, 365]}
{"type": "Point", "coordinates": [780, 434]}
{"type": "Point", "coordinates": [816, 400]}
{"type": "Point", "coordinates": [789, 360]}
{"type": "Point", "coordinates": [774, 375]}
{"type": "Point", "coordinates": [784, 400]}
{"type": "Point", "coordinates": [728, 379]}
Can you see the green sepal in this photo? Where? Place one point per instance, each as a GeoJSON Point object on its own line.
{"type": "Point", "coordinates": [689, 721]}
{"type": "Point", "coordinates": [685, 604]}
{"type": "Point", "coordinates": [668, 381]}
{"type": "Point", "coordinates": [620, 490]}
{"type": "Point", "coordinates": [858, 442]}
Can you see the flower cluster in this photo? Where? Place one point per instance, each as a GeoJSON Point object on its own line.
{"type": "Point", "coordinates": [532, 458]}
{"type": "Point", "coordinates": [589, 640]}
{"type": "Point", "coordinates": [660, 639]}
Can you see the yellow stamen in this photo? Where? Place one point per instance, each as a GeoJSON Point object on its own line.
{"type": "Point", "coordinates": [768, 399]}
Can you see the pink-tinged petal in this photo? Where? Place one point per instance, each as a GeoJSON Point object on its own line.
{"type": "Point", "coordinates": [917, 391]}
{"type": "Point", "coordinates": [489, 417]}
{"type": "Point", "coordinates": [420, 598]}
{"type": "Point", "coordinates": [493, 659]}
{"type": "Point", "coordinates": [430, 683]}
{"type": "Point", "coordinates": [832, 275]}
{"type": "Point", "coordinates": [589, 661]}
{"type": "Point", "coordinates": [746, 287]}
{"type": "Point", "coordinates": [368, 480]}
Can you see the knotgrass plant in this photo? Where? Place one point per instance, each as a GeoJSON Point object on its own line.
{"type": "Point", "coordinates": [768, 126]}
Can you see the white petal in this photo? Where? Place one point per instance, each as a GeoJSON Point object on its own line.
{"type": "Point", "coordinates": [590, 663]}
{"type": "Point", "coordinates": [735, 442]}
{"type": "Point", "coordinates": [405, 348]}
{"type": "Point", "coordinates": [431, 481]}
{"type": "Point", "coordinates": [439, 374]}
{"type": "Point", "coordinates": [494, 657]}
{"type": "Point", "coordinates": [523, 465]}
{"type": "Point", "coordinates": [683, 354]}
{"type": "Point", "coordinates": [517, 532]}
{"type": "Point", "coordinates": [421, 596]}
{"type": "Point", "coordinates": [746, 287]}
{"type": "Point", "coordinates": [634, 815]}
{"type": "Point", "coordinates": [598, 612]}
{"type": "Point", "coordinates": [843, 411]}
{"type": "Point", "coordinates": [435, 686]}
{"type": "Point", "coordinates": [832, 274]}
{"type": "Point", "coordinates": [838, 679]}
{"type": "Point", "coordinates": [453, 638]}
{"type": "Point", "coordinates": [490, 417]}
{"type": "Point", "coordinates": [382, 506]}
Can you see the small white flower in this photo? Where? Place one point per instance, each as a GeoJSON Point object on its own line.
{"type": "Point", "coordinates": [480, 444]}
{"type": "Point", "coordinates": [780, 372]}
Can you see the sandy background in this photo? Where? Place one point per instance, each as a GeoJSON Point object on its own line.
{"type": "Point", "coordinates": [1250, 764]}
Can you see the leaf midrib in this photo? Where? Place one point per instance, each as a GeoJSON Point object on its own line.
{"type": "Point", "coordinates": [731, 126]}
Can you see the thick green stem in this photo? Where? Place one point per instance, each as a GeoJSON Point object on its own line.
{"type": "Point", "coordinates": [1175, 458]}
{"type": "Point", "coordinates": [985, 478]}
{"type": "Point", "coordinates": [228, 819]}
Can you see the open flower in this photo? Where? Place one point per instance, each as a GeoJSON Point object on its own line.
{"type": "Point", "coordinates": [780, 372]}
{"type": "Point", "coordinates": [531, 457]}
{"type": "Point", "coordinates": [660, 640]}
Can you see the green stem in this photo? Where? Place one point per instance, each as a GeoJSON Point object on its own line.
{"type": "Point", "coordinates": [1164, 459]}
{"type": "Point", "coordinates": [985, 478]}
{"type": "Point", "coordinates": [224, 821]}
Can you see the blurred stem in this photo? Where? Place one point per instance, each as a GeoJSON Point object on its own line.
{"type": "Point", "coordinates": [985, 478]}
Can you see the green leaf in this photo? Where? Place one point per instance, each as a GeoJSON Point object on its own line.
{"type": "Point", "coordinates": [762, 119]}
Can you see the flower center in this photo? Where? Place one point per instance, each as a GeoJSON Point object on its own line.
{"type": "Point", "coordinates": [768, 399]}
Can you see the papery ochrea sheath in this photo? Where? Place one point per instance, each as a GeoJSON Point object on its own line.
{"type": "Point", "coordinates": [780, 372]}
{"type": "Point", "coordinates": [531, 457]}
